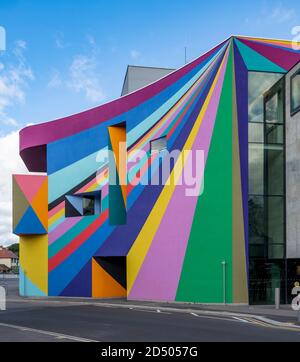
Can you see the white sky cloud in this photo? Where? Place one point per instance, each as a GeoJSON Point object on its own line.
{"type": "Point", "coordinates": [135, 54]}
{"type": "Point", "coordinates": [281, 14]}
{"type": "Point", "coordinates": [60, 42]}
{"type": "Point", "coordinates": [15, 75]}
{"type": "Point", "coordinates": [14, 78]}
{"type": "Point", "coordinates": [55, 80]}
{"type": "Point", "coordinates": [83, 77]}
{"type": "Point", "coordinates": [10, 163]}
{"type": "Point", "coordinates": [272, 13]}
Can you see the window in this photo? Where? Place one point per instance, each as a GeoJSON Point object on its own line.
{"type": "Point", "coordinates": [274, 107]}
{"type": "Point", "coordinates": [86, 204]}
{"type": "Point", "coordinates": [295, 93]}
{"type": "Point", "coordinates": [274, 134]}
{"type": "Point", "coordinates": [256, 132]}
{"type": "Point", "coordinates": [256, 169]}
{"type": "Point", "coordinates": [158, 145]}
{"type": "Point", "coordinates": [266, 185]}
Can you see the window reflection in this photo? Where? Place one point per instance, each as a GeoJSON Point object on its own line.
{"type": "Point", "coordinates": [274, 133]}
{"type": "Point", "coordinates": [258, 84]}
{"type": "Point", "coordinates": [256, 169]}
{"type": "Point", "coordinates": [256, 132]}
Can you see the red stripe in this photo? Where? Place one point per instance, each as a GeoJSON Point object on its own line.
{"type": "Point", "coordinates": [77, 242]}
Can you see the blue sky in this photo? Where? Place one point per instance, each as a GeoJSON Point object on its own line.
{"type": "Point", "coordinates": [65, 56]}
{"type": "Point", "coordinates": [98, 38]}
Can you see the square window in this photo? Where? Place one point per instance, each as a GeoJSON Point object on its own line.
{"type": "Point", "coordinates": [295, 93]}
{"type": "Point", "coordinates": [274, 108]}
{"type": "Point", "coordinates": [158, 145]}
{"type": "Point", "coordinates": [86, 204]}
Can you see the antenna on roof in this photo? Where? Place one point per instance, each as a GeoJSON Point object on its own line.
{"type": "Point", "coordinates": [185, 60]}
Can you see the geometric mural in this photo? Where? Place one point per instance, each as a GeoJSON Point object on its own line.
{"type": "Point", "coordinates": [161, 243]}
{"type": "Point", "coordinates": [30, 214]}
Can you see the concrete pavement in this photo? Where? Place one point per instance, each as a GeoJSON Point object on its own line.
{"type": "Point", "coordinates": [61, 319]}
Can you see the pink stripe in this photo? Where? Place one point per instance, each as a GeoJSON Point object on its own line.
{"type": "Point", "coordinates": [61, 229]}
{"type": "Point", "coordinates": [56, 209]}
{"type": "Point", "coordinates": [159, 275]}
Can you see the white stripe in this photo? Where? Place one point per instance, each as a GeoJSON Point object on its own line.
{"type": "Point", "coordinates": [241, 320]}
{"type": "Point", "coordinates": [213, 317]}
{"type": "Point", "coordinates": [53, 334]}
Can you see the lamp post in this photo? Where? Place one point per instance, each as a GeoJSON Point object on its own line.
{"type": "Point", "coordinates": [224, 280]}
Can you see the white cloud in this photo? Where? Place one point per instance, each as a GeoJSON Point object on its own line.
{"type": "Point", "coordinates": [83, 77]}
{"type": "Point", "coordinates": [10, 122]}
{"type": "Point", "coordinates": [59, 41]}
{"type": "Point", "coordinates": [272, 13]}
{"type": "Point", "coordinates": [135, 54]}
{"type": "Point", "coordinates": [21, 44]}
{"type": "Point", "coordinates": [10, 163]}
{"type": "Point", "coordinates": [91, 40]}
{"type": "Point", "coordinates": [14, 78]}
{"type": "Point", "coordinates": [55, 80]}
{"type": "Point", "coordinates": [282, 14]}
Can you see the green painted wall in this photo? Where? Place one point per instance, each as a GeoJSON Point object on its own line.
{"type": "Point", "coordinates": [211, 235]}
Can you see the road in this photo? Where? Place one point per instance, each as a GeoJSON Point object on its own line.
{"type": "Point", "coordinates": [26, 320]}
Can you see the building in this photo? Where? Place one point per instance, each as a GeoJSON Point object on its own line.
{"type": "Point", "coordinates": [8, 260]}
{"type": "Point", "coordinates": [224, 227]}
{"type": "Point", "coordinates": [137, 77]}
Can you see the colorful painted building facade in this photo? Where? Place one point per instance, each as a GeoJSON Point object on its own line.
{"type": "Point", "coordinates": [83, 235]}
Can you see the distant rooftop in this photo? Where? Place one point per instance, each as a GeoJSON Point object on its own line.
{"type": "Point", "coordinates": [139, 76]}
{"type": "Point", "coordinates": [7, 254]}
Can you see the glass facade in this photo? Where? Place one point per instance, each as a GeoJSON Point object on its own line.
{"type": "Point", "coordinates": [266, 199]}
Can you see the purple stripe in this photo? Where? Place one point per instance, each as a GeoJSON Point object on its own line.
{"type": "Point", "coordinates": [49, 132]}
{"type": "Point", "coordinates": [159, 275]}
{"type": "Point", "coordinates": [278, 56]}
{"type": "Point", "coordinates": [241, 80]}
{"type": "Point", "coordinates": [61, 229]}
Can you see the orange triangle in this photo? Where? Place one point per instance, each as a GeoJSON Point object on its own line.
{"type": "Point", "coordinates": [118, 135]}
{"type": "Point", "coordinates": [40, 204]}
{"type": "Point", "coordinates": [103, 285]}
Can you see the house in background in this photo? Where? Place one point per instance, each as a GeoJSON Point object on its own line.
{"type": "Point", "coordinates": [84, 234]}
{"type": "Point", "coordinates": [8, 260]}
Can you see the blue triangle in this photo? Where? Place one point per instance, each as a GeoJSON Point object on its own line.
{"type": "Point", "coordinates": [30, 224]}
{"type": "Point", "coordinates": [27, 288]}
{"type": "Point", "coordinates": [81, 285]}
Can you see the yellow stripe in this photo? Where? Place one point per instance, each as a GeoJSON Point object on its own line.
{"type": "Point", "coordinates": [142, 243]}
{"type": "Point", "coordinates": [272, 41]}
{"type": "Point", "coordinates": [56, 216]}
